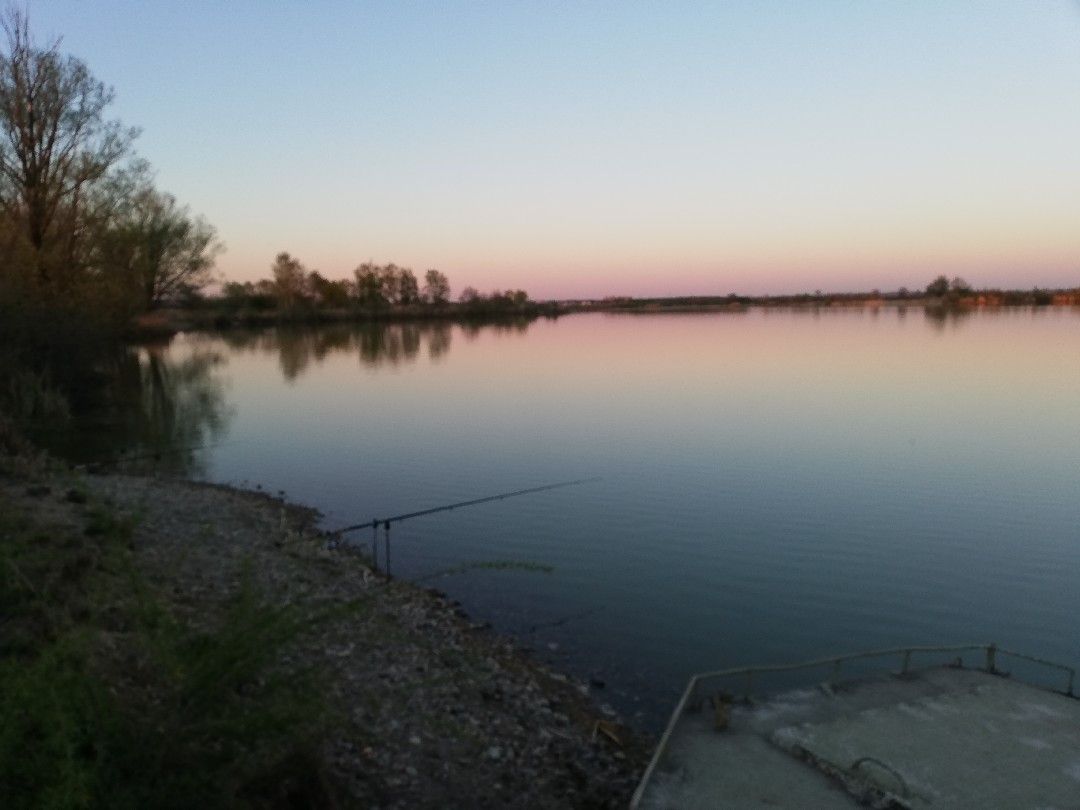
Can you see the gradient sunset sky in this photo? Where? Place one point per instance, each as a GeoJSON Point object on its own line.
{"type": "Point", "coordinates": [586, 149]}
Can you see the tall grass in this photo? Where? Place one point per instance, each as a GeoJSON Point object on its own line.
{"type": "Point", "coordinates": [107, 699]}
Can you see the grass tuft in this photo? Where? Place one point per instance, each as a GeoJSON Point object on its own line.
{"type": "Point", "coordinates": [108, 699]}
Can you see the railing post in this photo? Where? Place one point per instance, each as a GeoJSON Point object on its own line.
{"type": "Point", "coordinates": [375, 544]}
{"type": "Point", "coordinates": [991, 658]}
{"type": "Point", "coordinates": [386, 538]}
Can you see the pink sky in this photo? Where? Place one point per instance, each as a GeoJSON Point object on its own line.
{"type": "Point", "coordinates": [612, 148]}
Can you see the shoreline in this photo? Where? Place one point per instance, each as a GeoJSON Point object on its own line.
{"type": "Point", "coordinates": [170, 321]}
{"type": "Point", "coordinates": [166, 323]}
{"type": "Point", "coordinates": [432, 709]}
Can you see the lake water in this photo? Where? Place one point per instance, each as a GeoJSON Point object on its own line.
{"type": "Point", "coordinates": [773, 485]}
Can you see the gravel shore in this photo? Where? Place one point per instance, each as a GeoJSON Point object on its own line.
{"type": "Point", "coordinates": [431, 710]}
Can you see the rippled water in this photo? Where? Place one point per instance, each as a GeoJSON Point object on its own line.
{"type": "Point", "coordinates": [774, 485]}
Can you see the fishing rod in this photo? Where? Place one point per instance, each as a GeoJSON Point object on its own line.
{"type": "Point", "coordinates": [387, 521]}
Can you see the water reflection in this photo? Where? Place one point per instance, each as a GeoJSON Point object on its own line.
{"type": "Point", "coordinates": [941, 317]}
{"type": "Point", "coordinates": [439, 342]}
{"type": "Point", "coordinates": [149, 407]}
{"type": "Point", "coordinates": [375, 344]}
{"type": "Point", "coordinates": [779, 485]}
{"type": "Point", "coordinates": [472, 329]}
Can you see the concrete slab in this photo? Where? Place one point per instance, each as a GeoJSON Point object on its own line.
{"type": "Point", "coordinates": [996, 744]}
{"type": "Point", "coordinates": [935, 738]}
{"type": "Point", "coordinates": [706, 770]}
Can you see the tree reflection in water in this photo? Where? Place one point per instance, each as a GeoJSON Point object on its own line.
{"type": "Point", "coordinates": [375, 344]}
{"type": "Point", "coordinates": [940, 317]}
{"type": "Point", "coordinates": [147, 408]}
{"type": "Point", "coordinates": [158, 406]}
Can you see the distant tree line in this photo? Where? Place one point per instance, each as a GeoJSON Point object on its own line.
{"type": "Point", "coordinates": [294, 289]}
{"type": "Point", "coordinates": [958, 292]}
{"type": "Point", "coordinates": [941, 292]}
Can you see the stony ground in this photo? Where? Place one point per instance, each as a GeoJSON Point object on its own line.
{"type": "Point", "coordinates": [430, 710]}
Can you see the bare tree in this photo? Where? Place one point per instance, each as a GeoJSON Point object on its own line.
{"type": "Point", "coordinates": [938, 287]}
{"type": "Point", "coordinates": [326, 292]}
{"type": "Point", "coordinates": [390, 276]}
{"type": "Point", "coordinates": [54, 142]}
{"type": "Point", "coordinates": [173, 251]}
{"type": "Point", "coordinates": [408, 289]}
{"type": "Point", "coordinates": [290, 280]}
{"type": "Point", "coordinates": [143, 244]}
{"type": "Point", "coordinates": [177, 251]}
{"type": "Point", "coordinates": [369, 285]}
{"type": "Point", "coordinates": [959, 286]}
{"type": "Point", "coordinates": [436, 287]}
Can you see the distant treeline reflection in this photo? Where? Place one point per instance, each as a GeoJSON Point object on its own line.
{"type": "Point", "coordinates": [151, 406]}
{"type": "Point", "coordinates": [374, 343]}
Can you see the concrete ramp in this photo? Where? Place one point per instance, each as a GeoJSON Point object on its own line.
{"type": "Point", "coordinates": [707, 770]}
{"type": "Point", "coordinates": [935, 738]}
{"type": "Point", "coordinates": [996, 744]}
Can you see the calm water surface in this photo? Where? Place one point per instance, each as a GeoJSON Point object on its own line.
{"type": "Point", "coordinates": [774, 485]}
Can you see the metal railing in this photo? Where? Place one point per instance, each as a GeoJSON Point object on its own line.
{"type": "Point", "coordinates": [990, 653]}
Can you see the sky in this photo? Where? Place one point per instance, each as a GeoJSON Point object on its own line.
{"type": "Point", "coordinates": [587, 149]}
